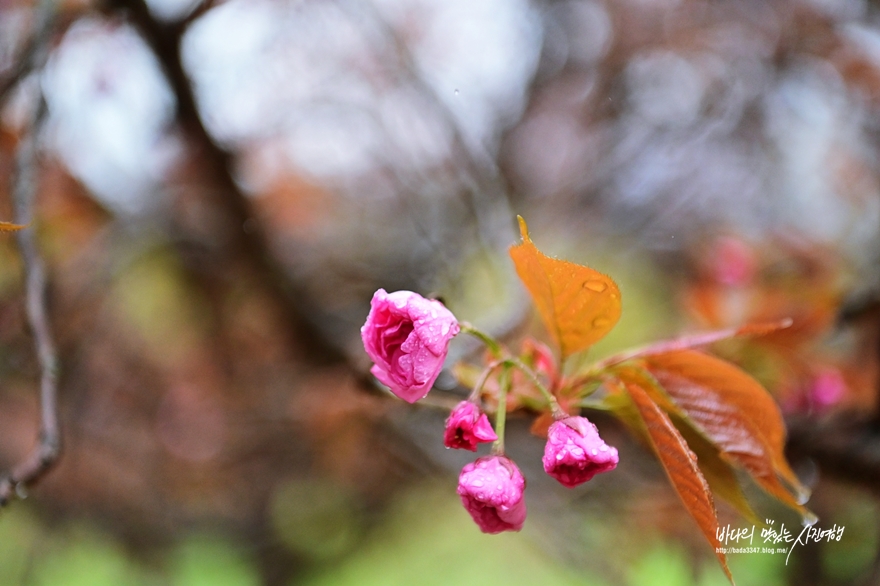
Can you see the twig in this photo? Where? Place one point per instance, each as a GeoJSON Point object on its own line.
{"type": "Point", "coordinates": [40, 460]}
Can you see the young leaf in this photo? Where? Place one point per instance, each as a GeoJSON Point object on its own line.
{"type": "Point", "coordinates": [696, 340]}
{"type": "Point", "coordinates": [717, 471]}
{"type": "Point", "coordinates": [577, 304]}
{"type": "Point", "coordinates": [733, 410]}
{"type": "Point", "coordinates": [681, 466]}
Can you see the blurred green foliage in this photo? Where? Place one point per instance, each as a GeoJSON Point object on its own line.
{"type": "Point", "coordinates": [84, 557]}
{"type": "Point", "coordinates": [207, 560]}
{"type": "Point", "coordinates": [153, 295]}
{"type": "Point", "coordinates": [315, 518]}
{"type": "Point", "coordinates": [426, 538]}
{"type": "Point", "coordinates": [850, 558]}
{"type": "Point", "coordinates": [430, 540]}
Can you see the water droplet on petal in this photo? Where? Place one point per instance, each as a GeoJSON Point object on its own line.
{"type": "Point", "coordinates": [559, 455]}
{"type": "Point", "coordinates": [478, 483]}
{"type": "Point", "coordinates": [594, 451]}
{"type": "Point", "coordinates": [601, 322]}
{"type": "Point", "coordinates": [597, 286]}
{"type": "Point", "coordinates": [444, 329]}
{"type": "Point", "coordinates": [603, 448]}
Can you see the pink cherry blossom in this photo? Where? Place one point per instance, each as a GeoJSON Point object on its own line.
{"type": "Point", "coordinates": [575, 453]}
{"type": "Point", "coordinates": [735, 264]}
{"type": "Point", "coordinates": [407, 336]}
{"type": "Point", "coordinates": [491, 490]}
{"type": "Point", "coordinates": [466, 427]}
{"type": "Point", "coordinates": [828, 388]}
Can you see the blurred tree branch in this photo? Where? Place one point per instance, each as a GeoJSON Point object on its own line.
{"type": "Point", "coordinates": [251, 244]}
{"type": "Point", "coordinates": [477, 169]}
{"type": "Point", "coordinates": [846, 447]}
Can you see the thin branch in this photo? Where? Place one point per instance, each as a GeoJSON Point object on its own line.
{"type": "Point", "coordinates": [43, 456]}
{"type": "Point", "coordinates": [478, 169]}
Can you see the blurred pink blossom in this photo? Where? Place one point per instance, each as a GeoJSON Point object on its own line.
{"type": "Point", "coordinates": [828, 388]}
{"type": "Point", "coordinates": [734, 262]}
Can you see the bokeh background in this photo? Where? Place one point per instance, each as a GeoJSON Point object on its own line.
{"type": "Point", "coordinates": [222, 185]}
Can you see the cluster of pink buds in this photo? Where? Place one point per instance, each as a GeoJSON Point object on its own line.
{"type": "Point", "coordinates": [407, 337]}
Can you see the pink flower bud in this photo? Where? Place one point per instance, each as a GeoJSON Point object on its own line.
{"type": "Point", "coordinates": [575, 453]}
{"type": "Point", "coordinates": [407, 336]}
{"type": "Point", "coordinates": [491, 490]}
{"type": "Point", "coordinates": [466, 427]}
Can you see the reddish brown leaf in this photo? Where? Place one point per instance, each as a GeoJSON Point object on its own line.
{"type": "Point", "coordinates": [577, 304]}
{"type": "Point", "coordinates": [717, 471]}
{"type": "Point", "coordinates": [734, 411]}
{"type": "Point", "coordinates": [681, 466]}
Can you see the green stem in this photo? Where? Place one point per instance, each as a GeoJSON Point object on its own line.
{"type": "Point", "coordinates": [478, 388]}
{"type": "Point", "coordinates": [490, 342]}
{"type": "Point", "coordinates": [556, 410]}
{"type": "Point", "coordinates": [501, 413]}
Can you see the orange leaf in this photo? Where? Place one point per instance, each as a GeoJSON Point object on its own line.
{"type": "Point", "coordinates": [10, 227]}
{"type": "Point", "coordinates": [735, 412]}
{"type": "Point", "coordinates": [577, 304]}
{"type": "Point", "coordinates": [681, 466]}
